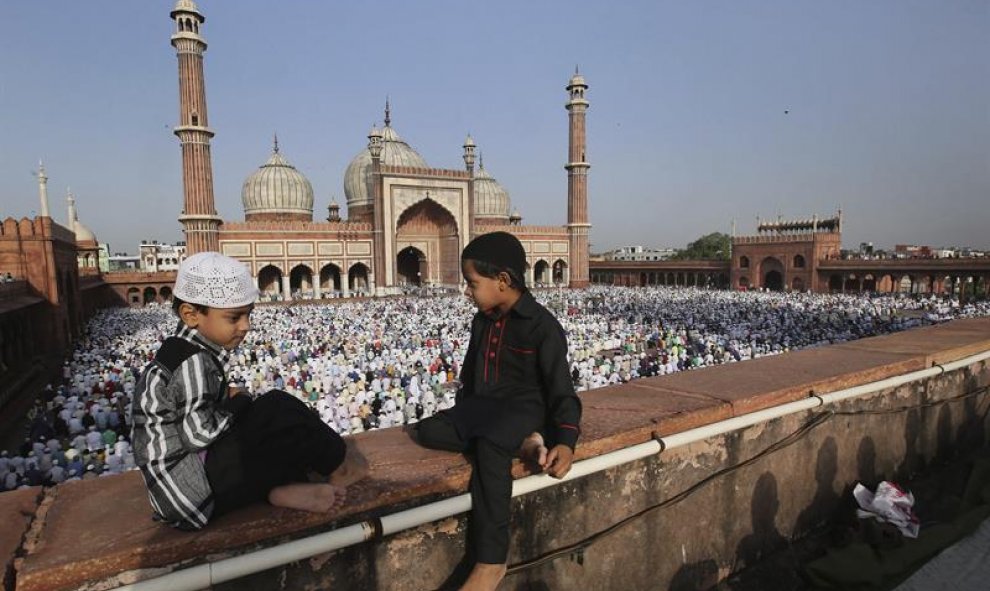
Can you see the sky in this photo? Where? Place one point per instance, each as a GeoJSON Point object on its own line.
{"type": "Point", "coordinates": [701, 112]}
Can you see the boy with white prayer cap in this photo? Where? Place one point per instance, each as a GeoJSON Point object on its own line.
{"type": "Point", "coordinates": [203, 449]}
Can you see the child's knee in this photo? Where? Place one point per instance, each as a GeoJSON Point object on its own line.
{"type": "Point", "coordinates": [437, 433]}
{"type": "Point", "coordinates": [427, 431]}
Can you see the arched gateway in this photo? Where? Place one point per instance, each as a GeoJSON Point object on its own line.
{"type": "Point", "coordinates": [428, 245]}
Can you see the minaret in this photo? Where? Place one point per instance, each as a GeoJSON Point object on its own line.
{"type": "Point", "coordinates": [43, 189]}
{"type": "Point", "coordinates": [375, 147]}
{"type": "Point", "coordinates": [73, 216]}
{"type": "Point", "coordinates": [199, 219]}
{"type": "Point", "coordinates": [577, 182]}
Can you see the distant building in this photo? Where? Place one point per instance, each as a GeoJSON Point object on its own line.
{"type": "Point", "coordinates": [155, 256]}
{"type": "Point", "coordinates": [103, 257]}
{"type": "Point", "coordinates": [638, 253]}
{"type": "Point", "coordinates": [911, 251]}
{"type": "Point", "coordinates": [786, 254]}
{"type": "Point", "coordinates": [122, 261]}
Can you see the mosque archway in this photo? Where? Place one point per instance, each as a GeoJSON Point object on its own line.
{"type": "Point", "coordinates": [560, 273]}
{"type": "Point", "coordinates": [133, 296]}
{"type": "Point", "coordinates": [906, 284]}
{"type": "Point", "coordinates": [150, 295]}
{"type": "Point", "coordinates": [541, 273]}
{"type": "Point", "coordinates": [165, 293]}
{"type": "Point", "coordinates": [412, 267]}
{"type": "Point", "coordinates": [270, 282]}
{"type": "Point", "coordinates": [772, 272]}
{"type": "Point", "coordinates": [869, 282]}
{"type": "Point", "coordinates": [330, 278]}
{"type": "Point", "coordinates": [835, 283]}
{"type": "Point", "coordinates": [744, 282]}
{"type": "Point", "coordinates": [301, 280]}
{"type": "Point", "coordinates": [433, 229]}
{"type": "Point", "coordinates": [357, 279]}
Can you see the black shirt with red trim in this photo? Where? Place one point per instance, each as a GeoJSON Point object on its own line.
{"type": "Point", "coordinates": [516, 378]}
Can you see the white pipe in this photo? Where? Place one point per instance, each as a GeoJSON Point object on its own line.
{"type": "Point", "coordinates": [740, 422]}
{"type": "Point", "coordinates": [205, 575]}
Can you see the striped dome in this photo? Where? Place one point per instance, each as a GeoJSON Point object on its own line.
{"type": "Point", "coordinates": [277, 188]}
{"type": "Point", "coordinates": [490, 199]}
{"type": "Point", "coordinates": [395, 152]}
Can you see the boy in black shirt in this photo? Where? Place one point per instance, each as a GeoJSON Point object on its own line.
{"type": "Point", "coordinates": [516, 389]}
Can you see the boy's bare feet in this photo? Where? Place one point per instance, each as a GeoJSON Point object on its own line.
{"type": "Point", "coordinates": [306, 496]}
{"type": "Point", "coordinates": [484, 577]}
{"type": "Point", "coordinates": [533, 450]}
{"type": "Point", "coordinates": [354, 468]}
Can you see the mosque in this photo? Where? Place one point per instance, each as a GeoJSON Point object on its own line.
{"type": "Point", "coordinates": [406, 223]}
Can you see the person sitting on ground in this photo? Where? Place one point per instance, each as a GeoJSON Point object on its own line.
{"type": "Point", "coordinates": [205, 450]}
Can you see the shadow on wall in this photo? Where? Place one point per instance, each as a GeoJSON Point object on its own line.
{"type": "Point", "coordinates": [825, 501]}
{"type": "Point", "coordinates": [971, 432]}
{"type": "Point", "coordinates": [913, 462]}
{"type": "Point", "coordinates": [765, 539]}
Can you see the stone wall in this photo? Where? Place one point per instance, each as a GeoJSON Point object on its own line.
{"type": "Point", "coordinates": [690, 515]}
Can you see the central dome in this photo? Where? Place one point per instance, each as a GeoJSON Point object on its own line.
{"type": "Point", "coordinates": [277, 191]}
{"type": "Point", "coordinates": [395, 152]}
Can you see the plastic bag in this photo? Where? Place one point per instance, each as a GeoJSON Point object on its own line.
{"type": "Point", "coordinates": [889, 504]}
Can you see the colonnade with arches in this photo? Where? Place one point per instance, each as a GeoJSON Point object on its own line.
{"type": "Point", "coordinates": [543, 273]}
{"type": "Point", "coordinates": [700, 279]}
{"type": "Point", "coordinates": [303, 282]}
{"type": "Point", "coordinates": [964, 286]}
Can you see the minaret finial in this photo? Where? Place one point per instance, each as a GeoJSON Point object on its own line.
{"type": "Point", "coordinates": [388, 112]}
{"type": "Point", "coordinates": [576, 71]}
{"type": "Point", "coordinates": [73, 216]}
{"type": "Point", "coordinates": [481, 161]}
{"type": "Point", "coordinates": [275, 142]}
{"type": "Point", "coordinates": [43, 188]}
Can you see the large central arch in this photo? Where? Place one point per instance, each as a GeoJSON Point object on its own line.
{"type": "Point", "coordinates": [431, 230]}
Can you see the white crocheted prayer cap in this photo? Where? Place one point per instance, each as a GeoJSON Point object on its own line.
{"type": "Point", "coordinates": [214, 280]}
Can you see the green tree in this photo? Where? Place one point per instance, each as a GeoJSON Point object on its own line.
{"type": "Point", "coordinates": [714, 246]}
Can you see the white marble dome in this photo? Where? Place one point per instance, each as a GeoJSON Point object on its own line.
{"type": "Point", "coordinates": [277, 188]}
{"type": "Point", "coordinates": [395, 152]}
{"type": "Point", "coordinates": [491, 200]}
{"type": "Point", "coordinates": [83, 233]}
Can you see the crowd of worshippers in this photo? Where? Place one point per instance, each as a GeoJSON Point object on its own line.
{"type": "Point", "coordinates": [373, 364]}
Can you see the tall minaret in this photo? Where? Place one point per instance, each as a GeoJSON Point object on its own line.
{"type": "Point", "coordinates": [199, 219]}
{"type": "Point", "coordinates": [577, 182]}
{"type": "Point", "coordinates": [73, 216]}
{"type": "Point", "coordinates": [43, 189]}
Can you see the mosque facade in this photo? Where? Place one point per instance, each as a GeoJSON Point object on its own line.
{"type": "Point", "coordinates": [406, 223]}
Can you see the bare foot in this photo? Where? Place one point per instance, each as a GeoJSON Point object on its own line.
{"type": "Point", "coordinates": [533, 450]}
{"type": "Point", "coordinates": [484, 577]}
{"type": "Point", "coordinates": [306, 496]}
{"type": "Point", "coordinates": [354, 468]}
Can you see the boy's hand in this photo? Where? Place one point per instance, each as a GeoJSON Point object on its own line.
{"type": "Point", "coordinates": [559, 461]}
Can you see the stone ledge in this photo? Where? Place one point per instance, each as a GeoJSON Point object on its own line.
{"type": "Point", "coordinates": [96, 530]}
{"type": "Point", "coordinates": [17, 509]}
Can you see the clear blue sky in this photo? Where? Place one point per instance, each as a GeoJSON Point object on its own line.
{"type": "Point", "coordinates": [889, 108]}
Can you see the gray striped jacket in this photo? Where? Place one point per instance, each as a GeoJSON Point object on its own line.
{"type": "Point", "coordinates": [177, 414]}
